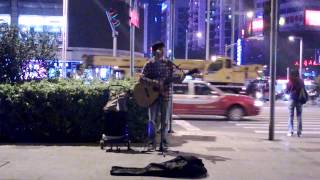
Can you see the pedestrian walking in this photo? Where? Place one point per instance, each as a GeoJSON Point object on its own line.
{"type": "Point", "coordinates": [298, 97]}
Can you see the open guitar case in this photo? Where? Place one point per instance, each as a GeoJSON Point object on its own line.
{"type": "Point", "coordinates": [116, 127]}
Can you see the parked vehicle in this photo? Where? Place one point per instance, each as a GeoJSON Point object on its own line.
{"type": "Point", "coordinates": [201, 98]}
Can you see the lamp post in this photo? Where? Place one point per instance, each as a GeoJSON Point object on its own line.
{"type": "Point", "coordinates": [208, 30]}
{"type": "Point", "coordinates": [248, 14]}
{"type": "Point", "coordinates": [132, 40]}
{"type": "Point", "coordinates": [187, 43]}
{"type": "Point", "coordinates": [227, 47]}
{"type": "Point", "coordinates": [293, 38]}
{"type": "Point", "coordinates": [65, 37]}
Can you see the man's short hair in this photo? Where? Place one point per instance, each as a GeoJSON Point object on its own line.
{"type": "Point", "coordinates": [157, 46]}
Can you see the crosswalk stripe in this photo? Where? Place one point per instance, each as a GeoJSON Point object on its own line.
{"type": "Point", "coordinates": [304, 128]}
{"type": "Point", "coordinates": [287, 117]}
{"type": "Point", "coordinates": [285, 132]}
{"type": "Point", "coordinates": [186, 125]}
{"type": "Point", "coordinates": [280, 124]}
{"type": "Point", "coordinates": [194, 133]}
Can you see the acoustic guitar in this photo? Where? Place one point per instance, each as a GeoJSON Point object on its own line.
{"type": "Point", "coordinates": [146, 93]}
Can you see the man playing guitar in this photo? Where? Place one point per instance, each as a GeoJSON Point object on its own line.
{"type": "Point", "coordinates": [159, 72]}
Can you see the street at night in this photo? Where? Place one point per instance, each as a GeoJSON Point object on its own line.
{"type": "Point", "coordinates": [159, 89]}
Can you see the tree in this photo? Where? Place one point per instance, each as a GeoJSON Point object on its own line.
{"type": "Point", "coordinates": [25, 55]}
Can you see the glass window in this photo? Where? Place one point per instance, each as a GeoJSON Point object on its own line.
{"type": "Point", "coordinates": [215, 66]}
{"type": "Point", "coordinates": [228, 63]}
{"type": "Point", "coordinates": [180, 88]}
{"type": "Point", "coordinates": [202, 89]}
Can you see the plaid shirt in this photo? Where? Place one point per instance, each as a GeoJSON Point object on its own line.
{"type": "Point", "coordinates": [158, 70]}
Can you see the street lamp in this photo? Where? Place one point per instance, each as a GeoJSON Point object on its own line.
{"type": "Point", "coordinates": [227, 47]}
{"type": "Point", "coordinates": [293, 38]}
{"type": "Point", "coordinates": [248, 14]}
{"type": "Point", "coordinates": [199, 35]}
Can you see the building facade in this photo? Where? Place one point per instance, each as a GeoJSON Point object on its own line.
{"type": "Point", "coordinates": [196, 24]}
{"type": "Point", "coordinates": [32, 15]}
{"type": "Point", "coordinates": [300, 15]}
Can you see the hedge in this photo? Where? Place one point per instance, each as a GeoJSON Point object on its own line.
{"type": "Point", "coordinates": [62, 111]}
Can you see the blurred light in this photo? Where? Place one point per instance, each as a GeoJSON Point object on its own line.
{"type": "Point", "coordinates": [258, 103]}
{"type": "Point", "coordinates": [164, 6]}
{"type": "Point", "coordinates": [259, 95]}
{"type": "Point", "coordinates": [239, 52]}
{"type": "Point", "coordinates": [287, 96]}
{"type": "Point", "coordinates": [199, 34]}
{"type": "Point", "coordinates": [291, 38]}
{"type": "Point", "coordinates": [36, 20]}
{"type": "Point", "coordinates": [282, 21]}
{"type": "Point", "coordinates": [257, 24]}
{"type": "Point", "coordinates": [5, 18]}
{"type": "Point", "coordinates": [36, 66]}
{"type": "Point", "coordinates": [103, 73]}
{"type": "Point", "coordinates": [312, 17]}
{"type": "Point", "coordinates": [213, 58]}
{"type": "Point", "coordinates": [250, 14]}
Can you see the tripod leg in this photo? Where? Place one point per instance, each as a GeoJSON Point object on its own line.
{"type": "Point", "coordinates": [162, 116]}
{"type": "Point", "coordinates": [169, 113]}
{"type": "Point", "coordinates": [163, 121]}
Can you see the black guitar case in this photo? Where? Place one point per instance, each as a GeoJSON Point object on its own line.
{"type": "Point", "coordinates": [179, 167]}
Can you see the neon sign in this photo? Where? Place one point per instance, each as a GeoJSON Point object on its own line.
{"type": "Point", "coordinates": [312, 18]}
{"type": "Point", "coordinates": [307, 63]}
{"type": "Point", "coordinates": [257, 24]}
{"type": "Point", "coordinates": [239, 52]}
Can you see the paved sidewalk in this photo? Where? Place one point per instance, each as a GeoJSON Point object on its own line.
{"type": "Point", "coordinates": [233, 156]}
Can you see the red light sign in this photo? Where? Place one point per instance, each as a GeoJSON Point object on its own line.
{"type": "Point", "coordinates": [307, 63]}
{"type": "Point", "coordinates": [312, 18]}
{"type": "Point", "coordinates": [134, 18]}
{"type": "Point", "coordinates": [257, 24]}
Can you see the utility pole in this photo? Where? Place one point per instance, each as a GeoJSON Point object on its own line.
{"type": "Point", "coordinates": [65, 37]}
{"type": "Point", "coordinates": [233, 22]}
{"type": "Point", "coordinates": [222, 27]}
{"type": "Point", "coordinates": [208, 30]}
{"type": "Point", "coordinates": [187, 44]}
{"type": "Point", "coordinates": [132, 39]}
{"type": "Point", "coordinates": [301, 57]}
{"type": "Point", "coordinates": [172, 28]}
{"type": "Point", "coordinates": [273, 56]}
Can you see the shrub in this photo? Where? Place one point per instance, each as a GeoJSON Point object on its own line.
{"type": "Point", "coordinates": [62, 111]}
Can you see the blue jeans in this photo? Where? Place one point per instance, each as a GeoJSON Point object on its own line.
{"type": "Point", "coordinates": [298, 106]}
{"type": "Point", "coordinates": [158, 118]}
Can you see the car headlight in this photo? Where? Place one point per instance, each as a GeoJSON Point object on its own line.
{"type": "Point", "coordinates": [258, 103]}
{"type": "Point", "coordinates": [258, 95]}
{"type": "Point", "coordinates": [286, 96]}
